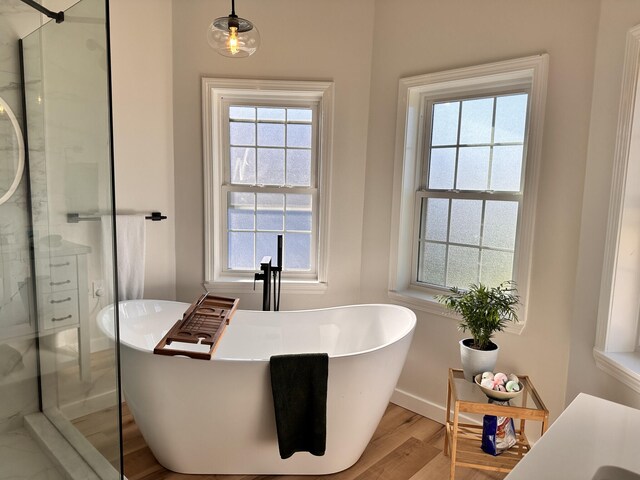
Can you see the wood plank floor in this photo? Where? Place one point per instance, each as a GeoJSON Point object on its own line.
{"type": "Point", "coordinates": [406, 446]}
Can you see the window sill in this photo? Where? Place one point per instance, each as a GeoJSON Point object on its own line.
{"type": "Point", "coordinates": [246, 286]}
{"type": "Point", "coordinates": [426, 302]}
{"type": "Point", "coordinates": [420, 300]}
{"type": "Point", "coordinates": [623, 366]}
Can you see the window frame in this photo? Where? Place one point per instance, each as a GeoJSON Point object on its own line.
{"type": "Point", "coordinates": [217, 95]}
{"type": "Point", "coordinates": [524, 74]}
{"type": "Point", "coordinates": [616, 350]}
{"type": "Point", "coordinates": [423, 191]}
{"type": "Point", "coordinates": [228, 186]}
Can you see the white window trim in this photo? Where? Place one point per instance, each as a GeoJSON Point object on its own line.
{"type": "Point", "coordinates": [616, 346]}
{"type": "Point", "coordinates": [213, 91]}
{"type": "Point", "coordinates": [528, 71]}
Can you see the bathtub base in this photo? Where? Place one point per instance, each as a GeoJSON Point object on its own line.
{"type": "Point", "coordinates": [299, 465]}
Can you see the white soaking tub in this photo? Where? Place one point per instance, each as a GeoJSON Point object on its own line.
{"type": "Point", "coordinates": [217, 416]}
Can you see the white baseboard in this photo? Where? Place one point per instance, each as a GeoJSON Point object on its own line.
{"type": "Point", "coordinates": [88, 405]}
{"type": "Point", "coordinates": [426, 408]}
{"type": "Point", "coordinates": [99, 344]}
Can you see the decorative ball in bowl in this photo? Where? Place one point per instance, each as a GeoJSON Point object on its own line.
{"type": "Point", "coordinates": [499, 386]}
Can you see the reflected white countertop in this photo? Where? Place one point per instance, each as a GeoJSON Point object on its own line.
{"type": "Point", "coordinates": [590, 433]}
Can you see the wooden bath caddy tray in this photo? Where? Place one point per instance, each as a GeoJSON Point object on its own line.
{"type": "Point", "coordinates": [203, 322]}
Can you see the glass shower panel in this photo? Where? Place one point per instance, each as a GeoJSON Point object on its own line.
{"type": "Point", "coordinates": [68, 117]}
{"type": "Point", "coordinates": [18, 360]}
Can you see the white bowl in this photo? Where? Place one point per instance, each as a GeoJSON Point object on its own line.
{"type": "Point", "coordinates": [495, 395]}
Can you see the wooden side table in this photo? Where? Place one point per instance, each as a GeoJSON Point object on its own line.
{"type": "Point", "coordinates": [462, 440]}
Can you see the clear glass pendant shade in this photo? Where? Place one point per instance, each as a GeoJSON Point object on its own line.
{"type": "Point", "coordinates": [233, 37]}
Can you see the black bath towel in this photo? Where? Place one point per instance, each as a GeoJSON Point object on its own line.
{"type": "Point", "coordinates": [299, 385]}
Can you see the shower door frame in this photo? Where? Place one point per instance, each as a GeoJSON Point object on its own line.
{"type": "Point", "coordinates": [61, 423]}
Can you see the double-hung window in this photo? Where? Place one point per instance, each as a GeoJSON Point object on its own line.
{"type": "Point", "coordinates": [266, 163]}
{"type": "Point", "coordinates": [468, 143]}
{"type": "Point", "coordinates": [471, 189]}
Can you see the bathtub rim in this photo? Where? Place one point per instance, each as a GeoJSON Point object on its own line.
{"type": "Point", "coordinates": [102, 313]}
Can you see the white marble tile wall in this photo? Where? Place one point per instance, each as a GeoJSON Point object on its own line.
{"type": "Point", "coordinates": [18, 387]}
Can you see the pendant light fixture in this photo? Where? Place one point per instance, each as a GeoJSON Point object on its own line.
{"type": "Point", "coordinates": [233, 36]}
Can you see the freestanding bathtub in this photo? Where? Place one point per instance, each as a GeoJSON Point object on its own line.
{"type": "Point", "coordinates": [217, 417]}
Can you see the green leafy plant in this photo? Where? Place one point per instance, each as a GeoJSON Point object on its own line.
{"type": "Point", "coordinates": [484, 310]}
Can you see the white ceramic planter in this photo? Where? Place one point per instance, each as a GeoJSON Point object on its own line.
{"type": "Point", "coordinates": [477, 361]}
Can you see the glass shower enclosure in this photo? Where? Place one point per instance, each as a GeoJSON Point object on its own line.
{"type": "Point", "coordinates": [57, 271]}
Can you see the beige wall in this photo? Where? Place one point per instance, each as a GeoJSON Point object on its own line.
{"type": "Point", "coordinates": [328, 40]}
{"type": "Point", "coordinates": [555, 347]}
{"type": "Point", "coordinates": [617, 17]}
{"type": "Point", "coordinates": [143, 129]}
{"type": "Point", "coordinates": [462, 33]}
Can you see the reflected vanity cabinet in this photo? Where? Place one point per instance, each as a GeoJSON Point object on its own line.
{"type": "Point", "coordinates": [63, 293]}
{"type": "Point", "coordinates": [62, 286]}
{"type": "Point", "coordinates": [16, 316]}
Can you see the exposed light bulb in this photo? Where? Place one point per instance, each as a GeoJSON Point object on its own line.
{"type": "Point", "coordinates": [232, 36]}
{"type": "Point", "coordinates": [39, 99]}
{"type": "Point", "coordinates": [1, 109]}
{"type": "Point", "coordinates": [232, 42]}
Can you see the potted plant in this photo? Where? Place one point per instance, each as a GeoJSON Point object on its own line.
{"type": "Point", "coordinates": [484, 311]}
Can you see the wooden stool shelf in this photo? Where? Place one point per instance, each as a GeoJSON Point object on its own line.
{"type": "Point", "coordinates": [463, 440]}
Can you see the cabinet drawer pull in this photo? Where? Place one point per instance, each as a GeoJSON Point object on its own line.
{"type": "Point", "coordinates": [61, 318]}
{"type": "Point", "coordinates": [60, 301]}
{"type": "Point", "coordinates": [54, 284]}
{"type": "Point", "coordinates": [65, 264]}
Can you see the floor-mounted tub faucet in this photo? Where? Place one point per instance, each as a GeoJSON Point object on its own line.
{"type": "Point", "coordinates": [264, 276]}
{"type": "Point", "coordinates": [266, 272]}
{"type": "Point", "coordinates": [277, 277]}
